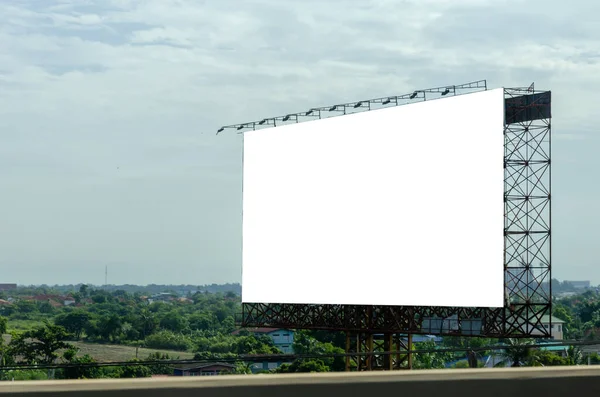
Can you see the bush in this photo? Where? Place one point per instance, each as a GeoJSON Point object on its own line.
{"type": "Point", "coordinates": [461, 364]}
{"type": "Point", "coordinates": [82, 372]}
{"type": "Point", "coordinates": [161, 369]}
{"type": "Point", "coordinates": [169, 341]}
{"type": "Point", "coordinates": [24, 375]}
{"type": "Point", "coordinates": [301, 365]}
{"type": "Point", "coordinates": [134, 371]}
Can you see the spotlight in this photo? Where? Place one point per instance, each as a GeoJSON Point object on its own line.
{"type": "Point", "coordinates": [240, 127]}
{"type": "Point", "coordinates": [220, 129]}
{"type": "Point", "coordinates": [331, 109]}
{"type": "Point", "coordinates": [358, 105]}
{"type": "Point", "coordinates": [446, 92]}
{"type": "Point", "coordinates": [309, 113]}
{"type": "Point", "coordinates": [286, 118]}
{"type": "Point", "coordinates": [386, 101]}
{"type": "Point", "coordinates": [262, 122]}
{"type": "Point", "coordinates": [413, 95]}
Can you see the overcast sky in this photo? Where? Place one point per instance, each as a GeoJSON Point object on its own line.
{"type": "Point", "coordinates": [108, 113]}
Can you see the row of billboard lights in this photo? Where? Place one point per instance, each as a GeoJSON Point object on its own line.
{"type": "Point", "coordinates": [386, 101]}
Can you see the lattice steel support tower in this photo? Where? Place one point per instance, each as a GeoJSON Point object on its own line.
{"type": "Point", "coordinates": [528, 216]}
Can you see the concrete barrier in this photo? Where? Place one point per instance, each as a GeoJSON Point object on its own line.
{"type": "Point", "coordinates": [513, 382]}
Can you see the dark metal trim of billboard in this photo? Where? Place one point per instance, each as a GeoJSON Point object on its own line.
{"type": "Point", "coordinates": [530, 107]}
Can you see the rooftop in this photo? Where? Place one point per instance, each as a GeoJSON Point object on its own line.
{"type": "Point", "coordinates": [260, 330]}
{"type": "Point", "coordinates": [207, 365]}
{"type": "Point", "coordinates": [546, 320]}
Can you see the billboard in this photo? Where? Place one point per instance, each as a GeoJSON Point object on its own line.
{"type": "Point", "coordinates": [413, 195]}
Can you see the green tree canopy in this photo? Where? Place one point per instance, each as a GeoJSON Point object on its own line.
{"type": "Point", "coordinates": [74, 322]}
{"type": "Point", "coordinates": [3, 328]}
{"type": "Point", "coordinates": [41, 344]}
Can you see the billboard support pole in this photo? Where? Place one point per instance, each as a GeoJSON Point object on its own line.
{"type": "Point", "coordinates": [409, 348]}
{"type": "Point", "coordinates": [347, 358]}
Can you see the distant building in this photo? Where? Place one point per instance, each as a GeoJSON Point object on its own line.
{"type": "Point", "coordinates": [8, 287]}
{"type": "Point", "coordinates": [165, 297]}
{"type": "Point", "coordinates": [283, 339]}
{"type": "Point", "coordinates": [185, 300]}
{"type": "Point", "coordinates": [565, 294]}
{"type": "Point", "coordinates": [451, 325]}
{"type": "Point", "coordinates": [579, 284]}
{"type": "Point", "coordinates": [205, 370]}
{"type": "Point", "coordinates": [556, 328]}
{"type": "Point", "coordinates": [5, 302]}
{"type": "Point", "coordinates": [423, 338]}
{"type": "Point", "coordinates": [267, 366]}
{"type": "Point", "coordinates": [53, 300]}
{"type": "Point", "coordinates": [562, 351]}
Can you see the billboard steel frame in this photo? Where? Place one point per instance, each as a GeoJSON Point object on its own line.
{"type": "Point", "coordinates": [527, 237]}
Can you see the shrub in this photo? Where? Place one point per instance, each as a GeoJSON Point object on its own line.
{"type": "Point", "coordinates": [169, 341]}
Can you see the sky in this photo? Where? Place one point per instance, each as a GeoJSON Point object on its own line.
{"type": "Point", "coordinates": [109, 108]}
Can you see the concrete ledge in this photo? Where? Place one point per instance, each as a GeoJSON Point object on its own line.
{"type": "Point", "coordinates": [556, 381]}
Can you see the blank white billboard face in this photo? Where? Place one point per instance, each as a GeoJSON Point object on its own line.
{"type": "Point", "coordinates": [397, 206]}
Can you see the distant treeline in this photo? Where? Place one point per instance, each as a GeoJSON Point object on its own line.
{"type": "Point", "coordinates": [153, 288]}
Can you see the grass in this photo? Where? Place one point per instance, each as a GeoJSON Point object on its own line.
{"type": "Point", "coordinates": [100, 352]}
{"type": "Point", "coordinates": [23, 325]}
{"type": "Point", "coordinates": [116, 353]}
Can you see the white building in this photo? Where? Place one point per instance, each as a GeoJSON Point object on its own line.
{"type": "Point", "coordinates": [556, 327]}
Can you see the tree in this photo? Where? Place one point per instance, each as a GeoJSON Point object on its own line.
{"type": "Point", "coordinates": [311, 365]}
{"type": "Point", "coordinates": [109, 327]}
{"type": "Point", "coordinates": [202, 321]}
{"type": "Point", "coordinates": [594, 358]}
{"type": "Point", "coordinates": [338, 339]}
{"type": "Point", "coordinates": [305, 344]}
{"type": "Point", "coordinates": [85, 371]}
{"type": "Point", "coordinates": [129, 332]}
{"type": "Point", "coordinates": [242, 368]}
{"type": "Point", "coordinates": [574, 356]}
{"type": "Point", "coordinates": [547, 359]}
{"type": "Point", "coordinates": [77, 297]}
{"type": "Point", "coordinates": [168, 340]}
{"type": "Point", "coordinates": [160, 369]}
{"type": "Point", "coordinates": [430, 360]}
{"type": "Point", "coordinates": [5, 355]}
{"type": "Point", "coordinates": [41, 344]}
{"type": "Point", "coordinates": [252, 345]}
{"type": "Point", "coordinates": [228, 324]}
{"type": "Point", "coordinates": [173, 321]}
{"type": "Point", "coordinates": [26, 307]}
{"type": "Point", "coordinates": [471, 345]}
{"type": "Point", "coordinates": [74, 322]}
{"type": "Point", "coordinates": [518, 352]}
{"type": "Point", "coordinates": [46, 308]}
{"type": "Point", "coordinates": [3, 327]}
{"type": "Point", "coordinates": [146, 322]}
{"type": "Point", "coordinates": [210, 356]}
{"type": "Point", "coordinates": [561, 312]}
{"type": "Point", "coordinates": [135, 371]}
